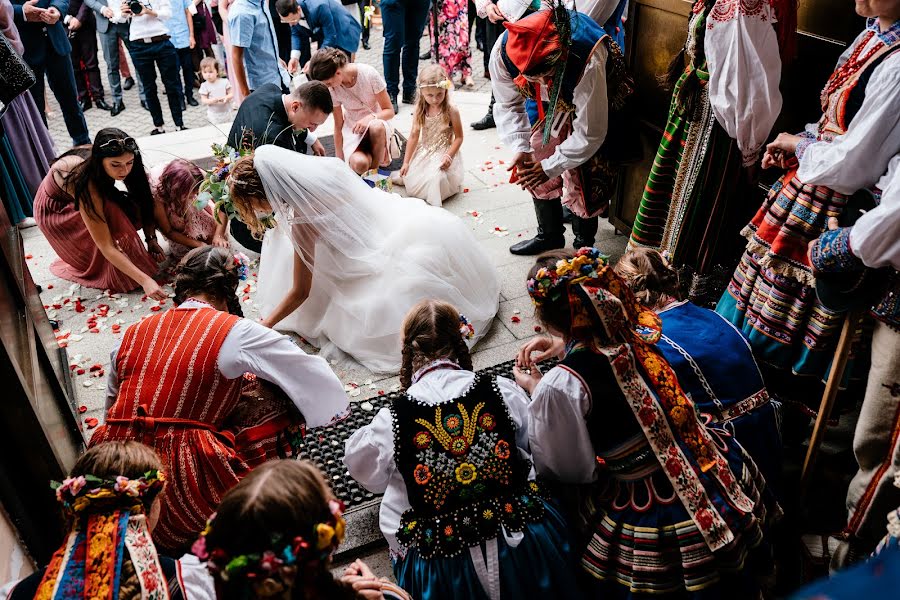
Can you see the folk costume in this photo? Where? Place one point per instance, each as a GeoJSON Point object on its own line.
{"type": "Point", "coordinates": [588, 80]}
{"type": "Point", "coordinates": [684, 508]}
{"type": "Point", "coordinates": [451, 458]}
{"type": "Point", "coordinates": [180, 404]}
{"type": "Point", "coordinates": [873, 242]}
{"type": "Point", "coordinates": [716, 369]}
{"type": "Point", "coordinates": [770, 296]}
{"type": "Point", "coordinates": [723, 107]}
{"type": "Point", "coordinates": [109, 527]}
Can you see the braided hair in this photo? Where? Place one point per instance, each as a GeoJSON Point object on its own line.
{"type": "Point", "coordinates": [649, 276]}
{"type": "Point", "coordinates": [431, 331]}
{"type": "Point", "coordinates": [208, 270]}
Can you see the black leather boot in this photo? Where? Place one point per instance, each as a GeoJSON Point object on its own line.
{"type": "Point", "coordinates": [550, 230]}
{"type": "Point", "coordinates": [585, 231]}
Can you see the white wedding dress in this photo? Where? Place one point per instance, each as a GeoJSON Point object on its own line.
{"type": "Point", "coordinates": [373, 256]}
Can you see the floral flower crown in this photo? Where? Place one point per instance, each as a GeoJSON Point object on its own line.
{"type": "Point", "coordinates": [273, 571]}
{"type": "Point", "coordinates": [552, 282]}
{"type": "Point", "coordinates": [466, 329]}
{"type": "Point", "coordinates": [444, 84]}
{"type": "Point", "coordinates": [242, 264]}
{"type": "Point", "coordinates": [78, 493]}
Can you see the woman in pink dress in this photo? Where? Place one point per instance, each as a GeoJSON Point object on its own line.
{"type": "Point", "coordinates": [184, 223]}
{"type": "Point", "coordinates": [92, 226]}
{"type": "Point", "coordinates": [362, 109]}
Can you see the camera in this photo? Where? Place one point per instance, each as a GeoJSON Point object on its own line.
{"type": "Point", "coordinates": [135, 6]}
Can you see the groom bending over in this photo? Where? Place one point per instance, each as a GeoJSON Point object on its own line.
{"type": "Point", "coordinates": [288, 120]}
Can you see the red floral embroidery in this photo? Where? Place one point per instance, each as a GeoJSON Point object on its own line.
{"type": "Point", "coordinates": [502, 449]}
{"type": "Point", "coordinates": [726, 10]}
{"type": "Point", "coordinates": [422, 474]}
{"type": "Point", "coordinates": [487, 421]}
{"type": "Point", "coordinates": [704, 518]}
{"type": "Point", "coordinates": [673, 467]}
{"type": "Point", "coordinates": [458, 446]}
{"type": "Point", "coordinates": [422, 440]}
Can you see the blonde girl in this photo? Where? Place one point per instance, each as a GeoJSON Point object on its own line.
{"type": "Point", "coordinates": [432, 168]}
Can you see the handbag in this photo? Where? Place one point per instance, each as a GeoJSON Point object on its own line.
{"type": "Point", "coordinates": [395, 146]}
{"type": "Point", "coordinates": [15, 74]}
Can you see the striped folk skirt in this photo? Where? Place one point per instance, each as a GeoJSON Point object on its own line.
{"type": "Point", "coordinates": [697, 196]}
{"type": "Point", "coordinates": [771, 296]}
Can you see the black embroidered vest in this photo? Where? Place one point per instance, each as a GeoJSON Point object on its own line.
{"type": "Point", "coordinates": [463, 473]}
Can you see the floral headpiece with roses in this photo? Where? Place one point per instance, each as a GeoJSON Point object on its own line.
{"type": "Point", "coordinates": [272, 571]}
{"type": "Point", "coordinates": [77, 494]}
{"type": "Point", "coordinates": [552, 282]}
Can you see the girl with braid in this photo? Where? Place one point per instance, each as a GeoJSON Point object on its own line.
{"type": "Point", "coordinates": [461, 512]}
{"type": "Point", "coordinates": [176, 381]}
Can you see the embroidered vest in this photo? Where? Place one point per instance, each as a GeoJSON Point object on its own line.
{"type": "Point", "coordinates": [841, 105]}
{"type": "Point", "coordinates": [168, 365]}
{"type": "Point", "coordinates": [463, 473]}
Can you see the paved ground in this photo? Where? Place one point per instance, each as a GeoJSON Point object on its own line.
{"type": "Point", "coordinates": [137, 122]}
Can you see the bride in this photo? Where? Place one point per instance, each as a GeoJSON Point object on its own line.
{"type": "Point", "coordinates": [361, 258]}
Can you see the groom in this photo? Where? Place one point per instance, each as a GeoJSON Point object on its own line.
{"type": "Point", "coordinates": [267, 116]}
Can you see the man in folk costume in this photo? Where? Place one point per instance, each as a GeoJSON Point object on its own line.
{"type": "Point", "coordinates": [701, 188]}
{"type": "Point", "coordinates": [562, 57]}
{"type": "Point", "coordinates": [854, 253]}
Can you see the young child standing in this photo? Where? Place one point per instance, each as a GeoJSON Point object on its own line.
{"type": "Point", "coordinates": [362, 109]}
{"type": "Point", "coordinates": [461, 512]}
{"type": "Point", "coordinates": [215, 91]}
{"type": "Point", "coordinates": [432, 168]}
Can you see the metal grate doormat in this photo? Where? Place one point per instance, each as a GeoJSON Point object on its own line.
{"type": "Point", "coordinates": [325, 446]}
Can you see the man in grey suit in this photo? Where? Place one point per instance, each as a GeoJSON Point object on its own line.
{"type": "Point", "coordinates": [112, 25]}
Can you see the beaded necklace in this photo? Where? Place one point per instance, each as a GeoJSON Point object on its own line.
{"type": "Point", "coordinates": [443, 363]}
{"type": "Point", "coordinates": [850, 67]}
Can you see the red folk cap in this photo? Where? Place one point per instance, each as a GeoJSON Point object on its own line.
{"type": "Point", "coordinates": [532, 43]}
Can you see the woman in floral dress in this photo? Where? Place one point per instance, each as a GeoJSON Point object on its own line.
{"type": "Point", "coordinates": [453, 40]}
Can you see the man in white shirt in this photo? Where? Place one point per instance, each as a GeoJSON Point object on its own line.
{"type": "Point", "coordinates": [151, 48]}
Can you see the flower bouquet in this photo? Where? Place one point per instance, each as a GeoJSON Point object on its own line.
{"type": "Point", "coordinates": [214, 187]}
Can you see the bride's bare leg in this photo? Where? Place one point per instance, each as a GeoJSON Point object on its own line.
{"type": "Point", "coordinates": [298, 293]}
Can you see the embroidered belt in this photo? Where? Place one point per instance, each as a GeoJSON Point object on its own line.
{"type": "Point", "coordinates": [147, 426]}
{"type": "Point", "coordinates": [742, 408]}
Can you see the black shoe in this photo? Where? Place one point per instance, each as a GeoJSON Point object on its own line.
{"type": "Point", "coordinates": [85, 105]}
{"type": "Point", "coordinates": [480, 46]}
{"type": "Point", "coordinates": [157, 131]}
{"type": "Point", "coordinates": [117, 108]}
{"type": "Point", "coordinates": [366, 46]}
{"type": "Point", "coordinates": [549, 231]}
{"type": "Point", "coordinates": [181, 128]}
{"type": "Point", "coordinates": [183, 105]}
{"type": "Point", "coordinates": [568, 215]}
{"type": "Point", "coordinates": [193, 101]}
{"type": "Point", "coordinates": [393, 98]}
{"type": "Point", "coordinates": [425, 55]}
{"type": "Point", "coordinates": [102, 105]}
{"type": "Point", "coordinates": [409, 97]}
{"type": "Point", "coordinates": [128, 83]}
{"type": "Point", "coordinates": [144, 105]}
{"type": "Point", "coordinates": [486, 122]}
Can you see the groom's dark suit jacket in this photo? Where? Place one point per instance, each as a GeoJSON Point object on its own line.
{"type": "Point", "coordinates": [261, 120]}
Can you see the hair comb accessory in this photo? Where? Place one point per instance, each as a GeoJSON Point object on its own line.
{"type": "Point", "coordinates": [78, 493]}
{"type": "Point", "coordinates": [444, 84]}
{"type": "Point", "coordinates": [466, 329]}
{"type": "Point", "coordinates": [242, 263]}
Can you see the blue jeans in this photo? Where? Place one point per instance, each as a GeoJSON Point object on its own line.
{"type": "Point", "coordinates": [147, 57]}
{"type": "Point", "coordinates": [404, 22]}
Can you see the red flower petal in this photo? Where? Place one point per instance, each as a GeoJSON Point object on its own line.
{"type": "Point", "coordinates": [91, 422]}
{"type": "Point", "coordinates": [515, 319]}
{"type": "Point", "coordinates": [82, 409]}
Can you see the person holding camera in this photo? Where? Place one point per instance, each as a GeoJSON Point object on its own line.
{"type": "Point", "coordinates": [113, 27]}
{"type": "Point", "coordinates": [151, 48]}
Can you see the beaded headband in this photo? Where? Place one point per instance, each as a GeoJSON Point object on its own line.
{"type": "Point", "coordinates": [552, 282]}
{"type": "Point", "coordinates": [76, 494]}
{"type": "Point", "coordinates": [270, 572]}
